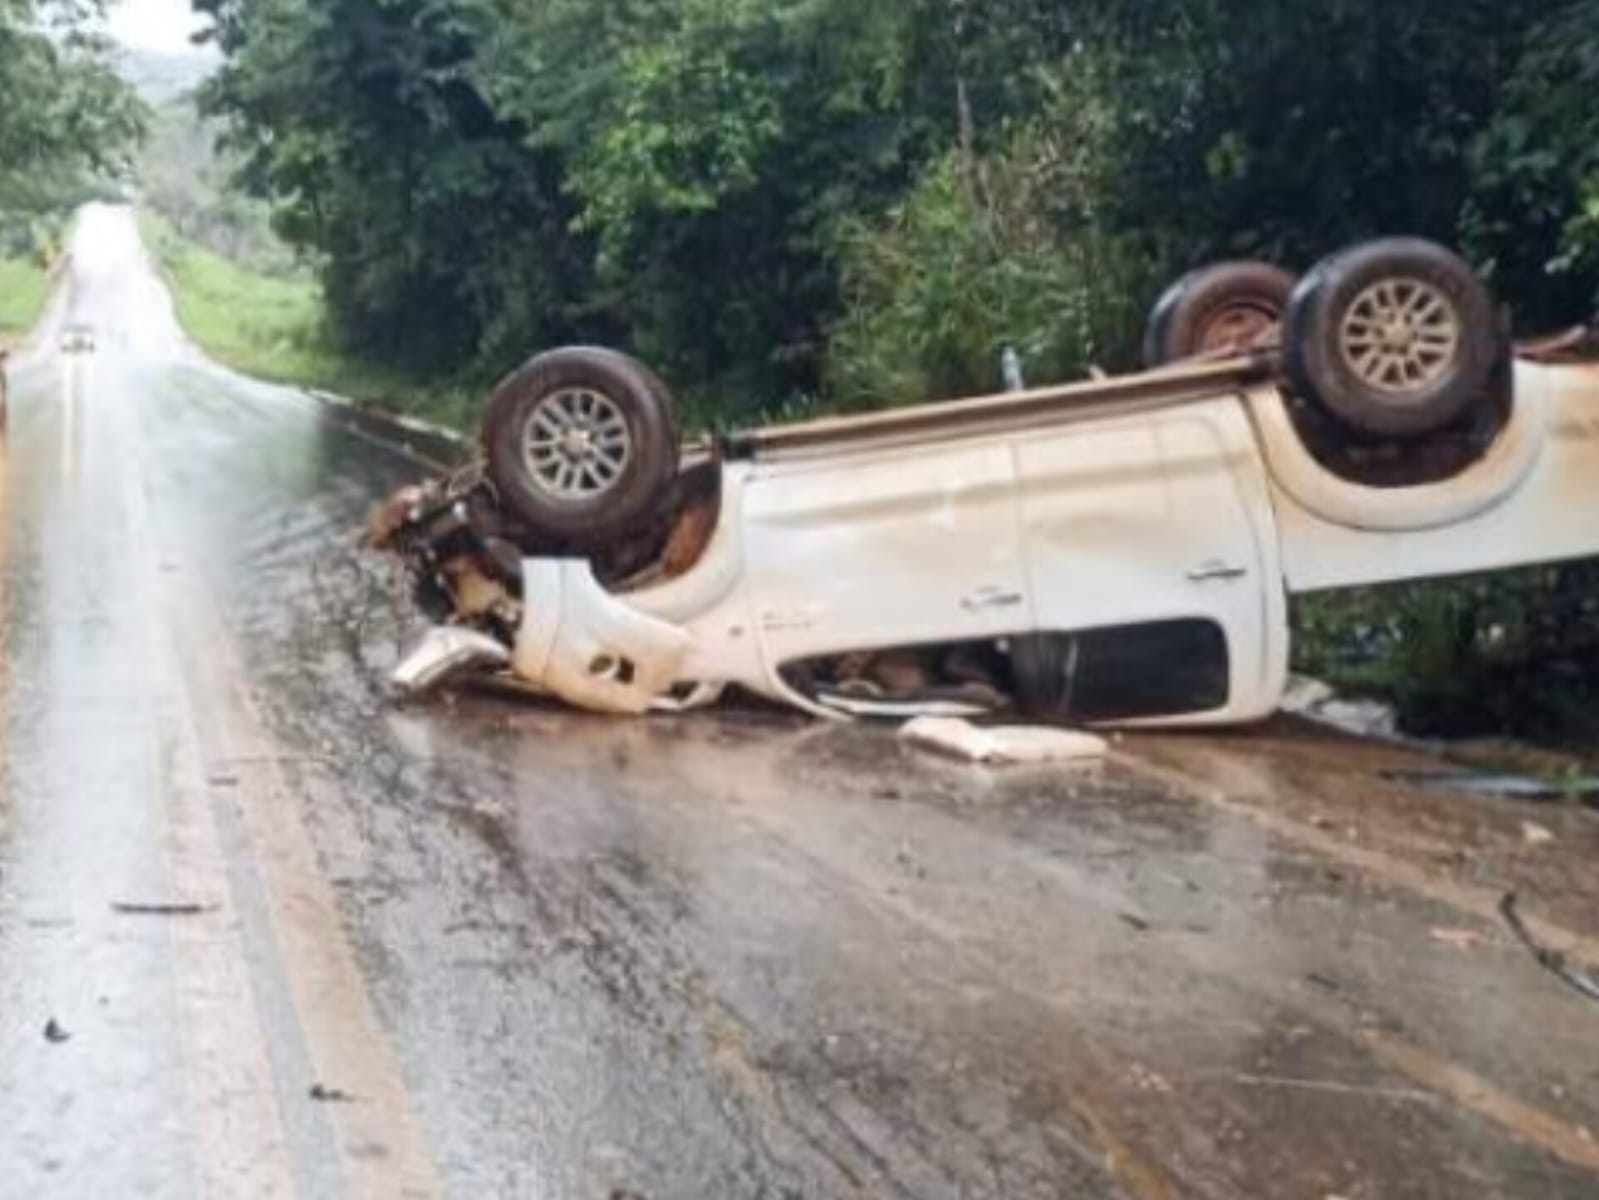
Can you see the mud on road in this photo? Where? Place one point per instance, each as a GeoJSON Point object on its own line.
{"type": "Point", "coordinates": [478, 948]}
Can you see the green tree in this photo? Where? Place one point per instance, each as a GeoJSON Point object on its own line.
{"type": "Point", "coordinates": [701, 180]}
{"type": "Point", "coordinates": [714, 166]}
{"type": "Point", "coordinates": [671, 174]}
{"type": "Point", "coordinates": [441, 234]}
{"type": "Point", "coordinates": [66, 119]}
{"type": "Point", "coordinates": [1196, 135]}
{"type": "Point", "coordinates": [1533, 215]}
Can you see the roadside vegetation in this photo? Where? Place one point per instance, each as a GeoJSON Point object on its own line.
{"type": "Point", "coordinates": [852, 203]}
{"type": "Point", "coordinates": [266, 325]}
{"type": "Point", "coordinates": [68, 125]}
{"type": "Point", "coordinates": [273, 326]}
{"type": "Point", "coordinates": [1514, 653]}
{"type": "Point", "coordinates": [24, 291]}
{"type": "Point", "coordinates": [188, 183]}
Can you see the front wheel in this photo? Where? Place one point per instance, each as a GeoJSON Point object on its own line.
{"type": "Point", "coordinates": [1394, 339]}
{"type": "Point", "coordinates": [582, 446]}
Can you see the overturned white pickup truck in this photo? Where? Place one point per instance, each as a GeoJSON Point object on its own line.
{"type": "Point", "coordinates": [1118, 551]}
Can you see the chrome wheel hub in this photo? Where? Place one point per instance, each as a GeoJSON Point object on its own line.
{"type": "Point", "coordinates": [1401, 335]}
{"type": "Point", "coordinates": [1239, 327]}
{"type": "Point", "coordinates": [578, 444]}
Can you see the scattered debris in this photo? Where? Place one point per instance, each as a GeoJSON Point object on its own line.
{"type": "Point", "coordinates": [447, 653]}
{"type": "Point", "coordinates": [1461, 939]}
{"type": "Point", "coordinates": [163, 910]}
{"type": "Point", "coordinates": [1012, 745]}
{"type": "Point", "coordinates": [952, 706]}
{"type": "Point", "coordinates": [1548, 958]}
{"type": "Point", "coordinates": [962, 680]}
{"type": "Point", "coordinates": [1135, 922]}
{"type": "Point", "coordinates": [391, 518]}
{"type": "Point", "coordinates": [1500, 786]}
{"type": "Point", "coordinates": [327, 1095]}
{"type": "Point", "coordinates": [1316, 701]}
{"type": "Point", "coordinates": [1536, 835]}
{"type": "Point", "coordinates": [1304, 694]}
{"type": "Point", "coordinates": [54, 1033]}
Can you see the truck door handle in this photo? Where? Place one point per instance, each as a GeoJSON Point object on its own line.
{"type": "Point", "coordinates": [1216, 570]}
{"type": "Point", "coordinates": [992, 597]}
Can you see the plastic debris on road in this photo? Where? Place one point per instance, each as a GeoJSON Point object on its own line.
{"type": "Point", "coordinates": [1013, 745]}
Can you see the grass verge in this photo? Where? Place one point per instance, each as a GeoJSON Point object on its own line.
{"type": "Point", "coordinates": [271, 327]}
{"type": "Point", "coordinates": [24, 291]}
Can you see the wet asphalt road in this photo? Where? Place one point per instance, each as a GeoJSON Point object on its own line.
{"type": "Point", "coordinates": [481, 950]}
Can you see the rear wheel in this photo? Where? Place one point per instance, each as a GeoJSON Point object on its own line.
{"type": "Point", "coordinates": [1394, 339]}
{"type": "Point", "coordinates": [582, 445]}
{"type": "Point", "coordinates": [1229, 306]}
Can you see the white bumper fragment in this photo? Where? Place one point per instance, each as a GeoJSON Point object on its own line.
{"type": "Point", "coordinates": [445, 654]}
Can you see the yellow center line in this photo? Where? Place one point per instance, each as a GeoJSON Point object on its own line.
{"type": "Point", "coordinates": [69, 419]}
{"type": "Point", "coordinates": [5, 562]}
{"type": "Point", "coordinates": [268, 981]}
{"type": "Point", "coordinates": [382, 1147]}
{"type": "Point", "coordinates": [241, 1148]}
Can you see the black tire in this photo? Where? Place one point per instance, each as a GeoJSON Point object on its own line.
{"type": "Point", "coordinates": [617, 468]}
{"type": "Point", "coordinates": [1394, 339]}
{"type": "Point", "coordinates": [1040, 666]}
{"type": "Point", "coordinates": [1230, 305]}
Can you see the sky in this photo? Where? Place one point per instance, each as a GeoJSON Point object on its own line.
{"type": "Point", "coordinates": [160, 25]}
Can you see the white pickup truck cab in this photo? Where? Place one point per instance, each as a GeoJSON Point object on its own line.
{"type": "Point", "coordinates": [1131, 543]}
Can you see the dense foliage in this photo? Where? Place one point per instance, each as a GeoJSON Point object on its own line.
{"type": "Point", "coordinates": [764, 196]}
{"type": "Point", "coordinates": [66, 120]}
{"type": "Point", "coordinates": [1509, 653]}
{"type": "Point", "coordinates": [184, 179]}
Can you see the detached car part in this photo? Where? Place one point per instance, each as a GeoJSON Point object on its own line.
{"type": "Point", "coordinates": [447, 653]}
{"type": "Point", "coordinates": [1584, 983]}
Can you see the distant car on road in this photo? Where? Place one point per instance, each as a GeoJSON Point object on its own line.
{"type": "Point", "coordinates": [77, 339]}
{"type": "Point", "coordinates": [1117, 551]}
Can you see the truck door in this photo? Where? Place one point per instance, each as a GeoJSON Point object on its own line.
{"type": "Point", "coordinates": [865, 551]}
{"type": "Point", "coordinates": [1152, 552]}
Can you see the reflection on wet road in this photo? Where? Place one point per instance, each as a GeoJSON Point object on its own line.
{"type": "Point", "coordinates": [480, 950]}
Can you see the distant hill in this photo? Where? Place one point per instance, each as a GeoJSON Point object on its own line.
{"type": "Point", "coordinates": [187, 178]}
{"type": "Point", "coordinates": [163, 78]}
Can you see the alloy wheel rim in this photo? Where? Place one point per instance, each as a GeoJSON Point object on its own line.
{"type": "Point", "coordinates": [578, 445]}
{"type": "Point", "coordinates": [1401, 336]}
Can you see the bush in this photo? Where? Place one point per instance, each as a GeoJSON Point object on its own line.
{"type": "Point", "coordinates": [1507, 653]}
{"type": "Point", "coordinates": [984, 255]}
{"type": "Point", "coordinates": [1533, 214]}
